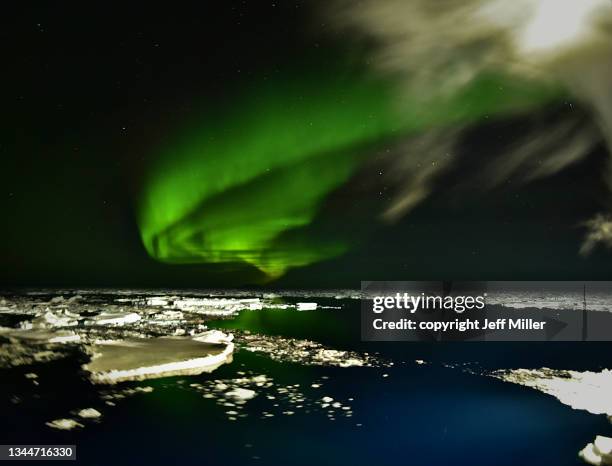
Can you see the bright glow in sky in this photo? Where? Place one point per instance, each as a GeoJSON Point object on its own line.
{"type": "Point", "coordinates": [559, 23]}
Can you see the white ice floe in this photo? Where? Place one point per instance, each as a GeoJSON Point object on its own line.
{"type": "Point", "coordinates": [139, 359]}
{"type": "Point", "coordinates": [306, 306]}
{"type": "Point", "coordinates": [214, 336]}
{"type": "Point", "coordinates": [89, 413]}
{"type": "Point", "coordinates": [42, 336]}
{"type": "Point", "coordinates": [338, 358]}
{"type": "Point", "coordinates": [233, 396]}
{"type": "Point", "coordinates": [207, 305]}
{"type": "Point", "coordinates": [115, 318]}
{"type": "Point", "coordinates": [589, 391]}
{"type": "Point", "coordinates": [242, 394]}
{"type": "Point", "coordinates": [170, 319]}
{"type": "Point", "coordinates": [227, 306]}
{"type": "Point", "coordinates": [65, 337]}
{"type": "Point", "coordinates": [59, 318]}
{"type": "Point", "coordinates": [304, 351]}
{"type": "Point", "coordinates": [170, 315]}
{"type": "Point", "coordinates": [114, 395]}
{"type": "Point", "coordinates": [63, 424]}
{"type": "Point", "coordinates": [599, 452]}
{"type": "Point", "coordinates": [155, 301]}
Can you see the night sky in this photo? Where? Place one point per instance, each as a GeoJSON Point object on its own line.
{"type": "Point", "coordinates": [95, 98]}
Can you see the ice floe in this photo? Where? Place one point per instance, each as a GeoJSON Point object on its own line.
{"type": "Point", "coordinates": [589, 391]}
{"type": "Point", "coordinates": [139, 359]}
{"type": "Point", "coordinates": [303, 351]}
{"type": "Point", "coordinates": [214, 336]}
{"type": "Point", "coordinates": [234, 396]}
{"type": "Point", "coordinates": [306, 306]}
{"type": "Point", "coordinates": [599, 452]}
{"type": "Point", "coordinates": [111, 396]}
{"type": "Point", "coordinates": [241, 394]}
{"type": "Point", "coordinates": [89, 413]}
{"type": "Point", "coordinates": [206, 305]}
{"type": "Point", "coordinates": [64, 424]}
{"type": "Point", "coordinates": [41, 336]}
{"type": "Point", "coordinates": [114, 318]}
{"type": "Point", "coordinates": [59, 318]}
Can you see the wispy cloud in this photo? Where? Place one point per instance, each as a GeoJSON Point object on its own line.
{"type": "Point", "coordinates": [438, 48]}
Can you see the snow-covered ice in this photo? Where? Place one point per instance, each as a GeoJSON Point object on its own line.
{"type": "Point", "coordinates": [139, 359]}
{"type": "Point", "coordinates": [64, 424]}
{"type": "Point", "coordinates": [89, 413]}
{"type": "Point", "coordinates": [589, 391]}
{"type": "Point", "coordinates": [599, 452]}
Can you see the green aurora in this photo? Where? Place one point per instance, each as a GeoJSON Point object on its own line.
{"type": "Point", "coordinates": [243, 187]}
